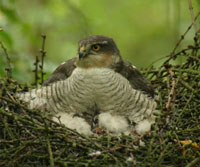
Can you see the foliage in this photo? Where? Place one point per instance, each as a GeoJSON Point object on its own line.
{"type": "Point", "coordinates": [144, 30]}
{"type": "Point", "coordinates": [28, 138]}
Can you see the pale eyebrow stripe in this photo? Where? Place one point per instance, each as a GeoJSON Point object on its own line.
{"type": "Point", "coordinates": [99, 42]}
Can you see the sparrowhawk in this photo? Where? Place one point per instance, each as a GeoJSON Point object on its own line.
{"type": "Point", "coordinates": [99, 83]}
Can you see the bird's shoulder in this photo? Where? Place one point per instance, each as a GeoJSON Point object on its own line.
{"type": "Point", "coordinates": [135, 78]}
{"type": "Point", "coordinates": [62, 72]}
{"type": "Point", "coordinates": [125, 68]}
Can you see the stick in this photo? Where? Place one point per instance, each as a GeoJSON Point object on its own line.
{"type": "Point", "coordinates": [172, 91]}
{"type": "Point", "coordinates": [43, 54]}
{"type": "Point", "coordinates": [9, 68]}
{"type": "Point", "coordinates": [183, 36]}
{"type": "Point", "coordinates": [192, 16]}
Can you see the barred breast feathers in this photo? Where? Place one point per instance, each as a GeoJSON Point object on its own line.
{"type": "Point", "coordinates": [118, 100]}
{"type": "Point", "coordinates": [70, 95]}
{"type": "Point", "coordinates": [103, 87]}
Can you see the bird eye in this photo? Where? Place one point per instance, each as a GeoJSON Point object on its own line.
{"type": "Point", "coordinates": [96, 48]}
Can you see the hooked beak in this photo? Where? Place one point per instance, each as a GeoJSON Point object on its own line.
{"type": "Point", "coordinates": [82, 52]}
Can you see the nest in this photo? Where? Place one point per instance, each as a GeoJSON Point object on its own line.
{"type": "Point", "coordinates": [28, 138]}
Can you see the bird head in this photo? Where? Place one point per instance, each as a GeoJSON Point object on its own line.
{"type": "Point", "coordinates": [97, 51]}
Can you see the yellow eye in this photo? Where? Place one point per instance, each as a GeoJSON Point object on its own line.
{"type": "Point", "coordinates": [96, 48]}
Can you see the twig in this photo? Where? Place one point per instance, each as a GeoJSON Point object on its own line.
{"type": "Point", "coordinates": [157, 163]}
{"type": "Point", "coordinates": [15, 103]}
{"type": "Point", "coordinates": [36, 71]}
{"type": "Point", "coordinates": [183, 51]}
{"type": "Point", "coordinates": [196, 72]}
{"type": "Point", "coordinates": [183, 36]}
{"type": "Point", "coordinates": [43, 54]}
{"type": "Point", "coordinates": [192, 15]}
{"type": "Point", "coordinates": [187, 86]}
{"type": "Point", "coordinates": [172, 54]}
{"type": "Point", "coordinates": [192, 163]}
{"type": "Point", "coordinates": [50, 153]}
{"type": "Point", "coordinates": [171, 96]}
{"type": "Point", "coordinates": [9, 67]}
{"type": "Point", "coordinates": [16, 117]}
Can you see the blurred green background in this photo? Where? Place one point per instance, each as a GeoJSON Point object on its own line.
{"type": "Point", "coordinates": [144, 30]}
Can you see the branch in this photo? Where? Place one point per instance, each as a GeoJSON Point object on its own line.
{"type": "Point", "coordinates": [172, 94]}
{"type": "Point", "coordinates": [192, 16]}
{"type": "Point", "coordinates": [43, 54]}
{"type": "Point", "coordinates": [36, 71]}
{"type": "Point", "coordinates": [9, 67]}
{"type": "Point", "coordinates": [183, 36]}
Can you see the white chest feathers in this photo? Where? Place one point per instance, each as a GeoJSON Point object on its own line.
{"type": "Point", "coordinates": [118, 103]}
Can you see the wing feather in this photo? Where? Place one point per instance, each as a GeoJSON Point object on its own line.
{"type": "Point", "coordinates": [135, 78]}
{"type": "Point", "coordinates": [62, 72]}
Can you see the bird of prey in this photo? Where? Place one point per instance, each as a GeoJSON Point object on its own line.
{"type": "Point", "coordinates": [97, 83]}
